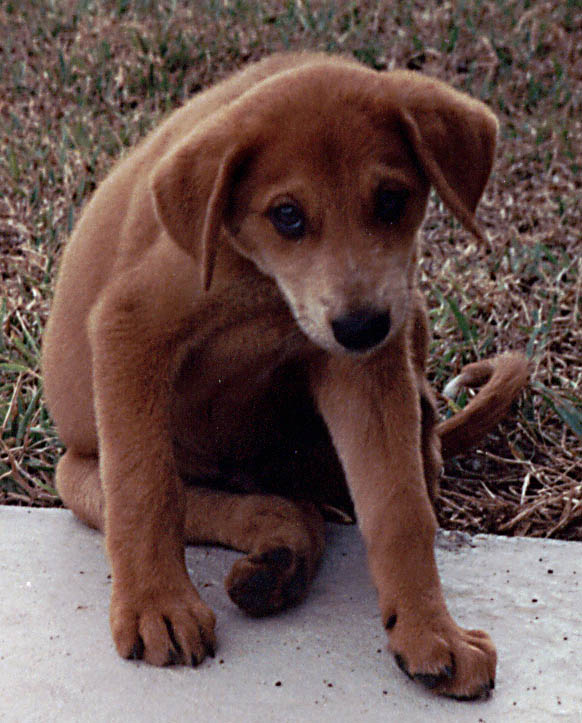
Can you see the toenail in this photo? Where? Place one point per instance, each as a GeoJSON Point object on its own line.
{"type": "Point", "coordinates": [391, 622]}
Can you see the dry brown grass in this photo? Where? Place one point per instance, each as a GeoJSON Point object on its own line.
{"type": "Point", "coordinates": [81, 81]}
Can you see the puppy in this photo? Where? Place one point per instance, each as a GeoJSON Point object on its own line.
{"type": "Point", "coordinates": [237, 340]}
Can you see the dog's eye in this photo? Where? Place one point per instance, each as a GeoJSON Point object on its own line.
{"type": "Point", "coordinates": [390, 205]}
{"type": "Point", "coordinates": [288, 219]}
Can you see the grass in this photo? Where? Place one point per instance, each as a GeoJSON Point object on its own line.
{"type": "Point", "coordinates": [82, 80]}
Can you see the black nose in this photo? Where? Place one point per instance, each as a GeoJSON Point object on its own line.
{"type": "Point", "coordinates": [362, 329]}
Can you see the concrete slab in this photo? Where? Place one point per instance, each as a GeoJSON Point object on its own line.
{"type": "Point", "coordinates": [323, 661]}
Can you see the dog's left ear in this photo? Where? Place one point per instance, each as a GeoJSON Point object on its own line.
{"type": "Point", "coordinates": [454, 138]}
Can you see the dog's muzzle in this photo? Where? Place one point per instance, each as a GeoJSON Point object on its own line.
{"type": "Point", "coordinates": [362, 329]}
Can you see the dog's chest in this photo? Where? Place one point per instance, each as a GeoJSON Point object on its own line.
{"type": "Point", "coordinates": [231, 392]}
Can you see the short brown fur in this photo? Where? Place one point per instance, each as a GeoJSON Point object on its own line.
{"type": "Point", "coordinates": [217, 379]}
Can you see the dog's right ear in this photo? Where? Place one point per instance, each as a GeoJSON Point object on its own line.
{"type": "Point", "coordinates": [191, 186]}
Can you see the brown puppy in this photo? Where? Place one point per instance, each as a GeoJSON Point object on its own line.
{"type": "Point", "coordinates": [236, 334]}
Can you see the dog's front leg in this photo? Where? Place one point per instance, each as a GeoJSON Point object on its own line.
{"type": "Point", "coordinates": [156, 614]}
{"type": "Point", "coordinates": [372, 410]}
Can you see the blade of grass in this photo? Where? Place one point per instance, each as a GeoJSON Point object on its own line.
{"type": "Point", "coordinates": [568, 413]}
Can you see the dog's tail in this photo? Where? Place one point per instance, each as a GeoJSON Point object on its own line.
{"type": "Point", "coordinates": [504, 377]}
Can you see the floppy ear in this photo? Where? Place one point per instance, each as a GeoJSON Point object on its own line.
{"type": "Point", "coordinates": [454, 138]}
{"type": "Point", "coordinates": [190, 187]}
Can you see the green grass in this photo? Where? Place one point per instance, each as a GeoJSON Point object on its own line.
{"type": "Point", "coordinates": [82, 81]}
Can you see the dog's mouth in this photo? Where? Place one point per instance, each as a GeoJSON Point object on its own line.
{"type": "Point", "coordinates": [357, 330]}
{"type": "Point", "coordinates": [361, 330]}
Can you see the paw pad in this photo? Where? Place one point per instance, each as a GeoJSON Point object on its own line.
{"type": "Point", "coordinates": [265, 583]}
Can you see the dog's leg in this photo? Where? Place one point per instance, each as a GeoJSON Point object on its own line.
{"type": "Point", "coordinates": [430, 441]}
{"type": "Point", "coordinates": [373, 413]}
{"type": "Point", "coordinates": [156, 613]}
{"type": "Point", "coordinates": [284, 539]}
{"type": "Point", "coordinates": [79, 487]}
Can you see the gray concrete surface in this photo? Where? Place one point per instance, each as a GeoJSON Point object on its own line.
{"type": "Point", "coordinates": [326, 660]}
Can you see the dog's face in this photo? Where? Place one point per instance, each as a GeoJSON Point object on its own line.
{"type": "Point", "coordinates": [329, 206]}
{"type": "Point", "coordinates": [320, 176]}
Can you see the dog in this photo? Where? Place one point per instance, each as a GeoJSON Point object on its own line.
{"type": "Point", "coordinates": [237, 341]}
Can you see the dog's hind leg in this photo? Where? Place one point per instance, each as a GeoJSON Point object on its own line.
{"type": "Point", "coordinates": [284, 541]}
{"type": "Point", "coordinates": [79, 487]}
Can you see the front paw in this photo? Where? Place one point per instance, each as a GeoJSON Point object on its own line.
{"type": "Point", "coordinates": [163, 627]}
{"type": "Point", "coordinates": [445, 658]}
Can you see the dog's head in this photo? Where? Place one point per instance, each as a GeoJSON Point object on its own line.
{"type": "Point", "coordinates": [320, 176]}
